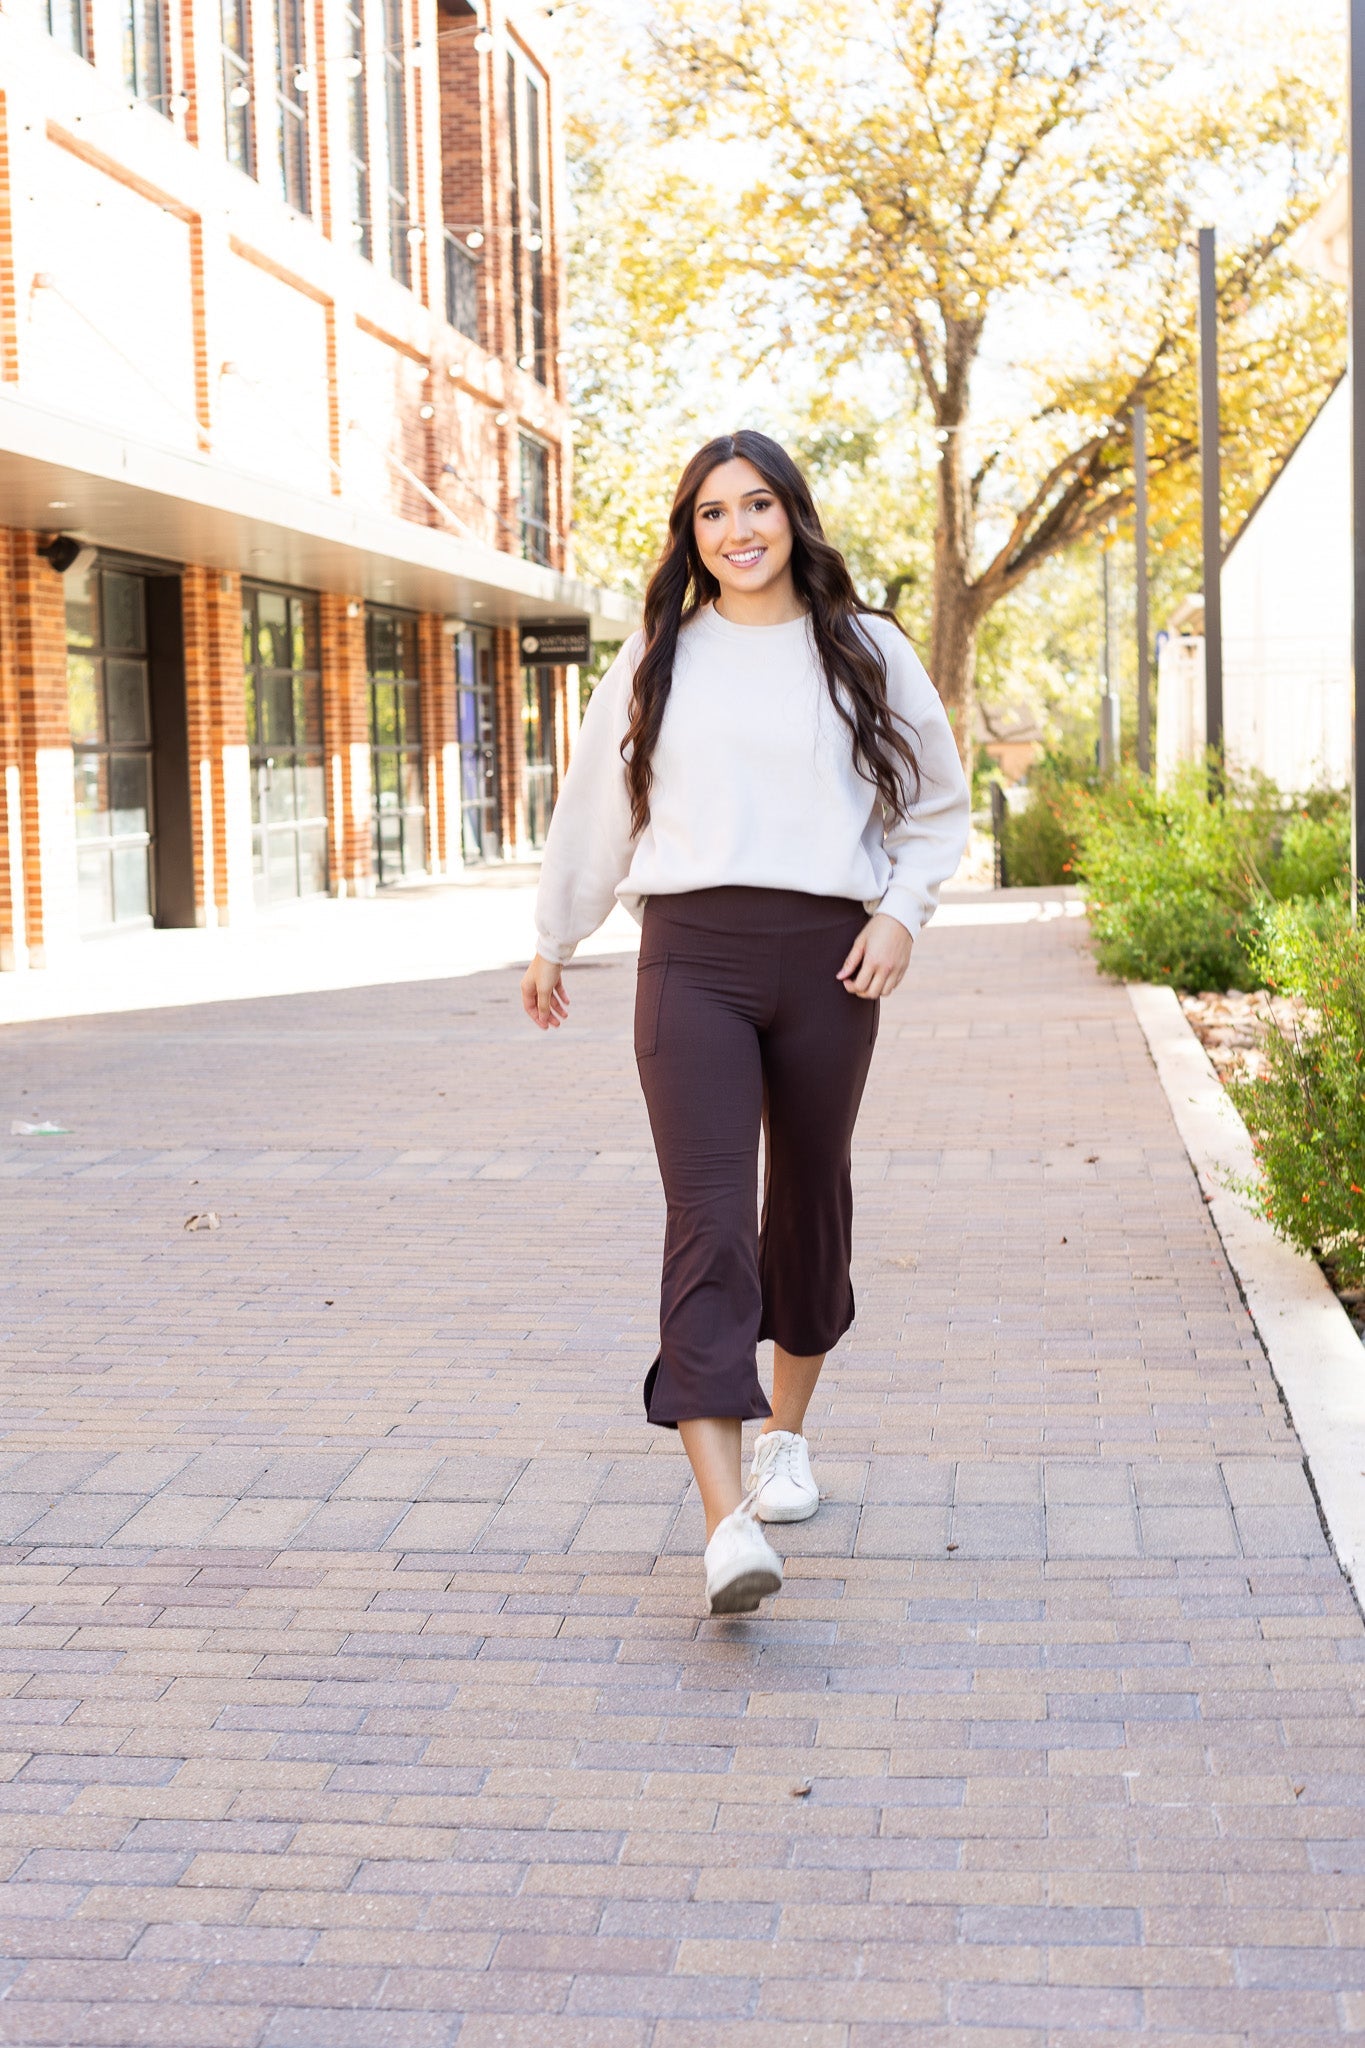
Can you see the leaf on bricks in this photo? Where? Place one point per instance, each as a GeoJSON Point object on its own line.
{"type": "Point", "coordinates": [21, 1128]}
{"type": "Point", "coordinates": [1063, 1240]}
{"type": "Point", "coordinates": [208, 1220]}
{"type": "Point", "coordinates": [1299, 1791]}
{"type": "Point", "coordinates": [1092, 1158]}
{"type": "Point", "coordinates": [803, 1790]}
{"type": "Point", "coordinates": [951, 1546]}
{"type": "Point", "coordinates": [330, 1302]}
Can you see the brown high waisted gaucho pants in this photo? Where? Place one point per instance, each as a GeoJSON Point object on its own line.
{"type": "Point", "coordinates": [740, 1022]}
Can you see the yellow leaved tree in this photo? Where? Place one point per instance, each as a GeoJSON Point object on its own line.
{"type": "Point", "coordinates": [1014, 184]}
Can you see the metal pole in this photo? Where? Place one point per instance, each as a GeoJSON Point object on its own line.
{"type": "Point", "coordinates": [1211, 488]}
{"type": "Point", "coordinates": [1357, 288]}
{"type": "Point", "coordinates": [1109, 702]}
{"type": "Point", "coordinates": [1144, 664]}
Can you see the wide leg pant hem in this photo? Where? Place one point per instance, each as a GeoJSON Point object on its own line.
{"type": "Point", "coordinates": [803, 1343]}
{"type": "Point", "coordinates": [750, 1405]}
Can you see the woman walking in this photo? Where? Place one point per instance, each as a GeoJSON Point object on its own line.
{"type": "Point", "coordinates": [766, 779]}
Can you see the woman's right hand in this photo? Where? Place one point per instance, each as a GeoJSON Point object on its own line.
{"type": "Point", "coordinates": [543, 994]}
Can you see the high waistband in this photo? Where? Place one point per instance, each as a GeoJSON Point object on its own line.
{"type": "Point", "coordinates": [735, 908]}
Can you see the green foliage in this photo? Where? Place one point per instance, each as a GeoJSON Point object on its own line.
{"type": "Point", "coordinates": [1307, 1113]}
{"type": "Point", "coordinates": [1039, 843]}
{"type": "Point", "coordinates": [1314, 851]}
{"type": "Point", "coordinates": [1170, 886]}
{"type": "Point", "coordinates": [1179, 887]}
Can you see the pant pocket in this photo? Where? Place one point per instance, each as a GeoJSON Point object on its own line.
{"type": "Point", "coordinates": [649, 995]}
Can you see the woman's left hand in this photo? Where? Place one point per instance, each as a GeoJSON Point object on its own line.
{"type": "Point", "coordinates": [878, 957]}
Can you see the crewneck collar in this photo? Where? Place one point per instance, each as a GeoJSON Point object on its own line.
{"type": "Point", "coordinates": [709, 618]}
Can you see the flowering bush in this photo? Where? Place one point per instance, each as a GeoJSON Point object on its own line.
{"type": "Point", "coordinates": [1306, 1113]}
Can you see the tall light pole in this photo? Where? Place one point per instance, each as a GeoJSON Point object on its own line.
{"type": "Point", "coordinates": [1210, 480]}
{"type": "Point", "coordinates": [1109, 694]}
{"type": "Point", "coordinates": [1144, 665]}
{"type": "Point", "coordinates": [1357, 289]}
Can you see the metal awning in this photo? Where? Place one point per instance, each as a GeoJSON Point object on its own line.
{"type": "Point", "coordinates": [68, 475]}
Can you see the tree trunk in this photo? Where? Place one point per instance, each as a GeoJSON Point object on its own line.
{"type": "Point", "coordinates": [952, 660]}
{"type": "Point", "coordinates": [952, 635]}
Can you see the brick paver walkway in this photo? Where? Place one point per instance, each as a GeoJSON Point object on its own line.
{"type": "Point", "coordinates": [354, 1690]}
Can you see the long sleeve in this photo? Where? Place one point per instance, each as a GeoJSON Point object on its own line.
{"type": "Point", "coordinates": [925, 847]}
{"type": "Point", "coordinates": [589, 846]}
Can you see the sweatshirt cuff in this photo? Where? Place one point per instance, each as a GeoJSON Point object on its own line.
{"type": "Point", "coordinates": [907, 909]}
{"type": "Point", "coordinates": [561, 951]}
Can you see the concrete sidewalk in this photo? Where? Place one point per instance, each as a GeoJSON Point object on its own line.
{"type": "Point", "coordinates": [355, 1690]}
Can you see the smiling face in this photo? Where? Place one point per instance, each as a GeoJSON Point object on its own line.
{"type": "Point", "coordinates": [744, 538]}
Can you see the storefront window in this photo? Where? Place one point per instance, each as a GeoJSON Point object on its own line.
{"type": "Point", "coordinates": [284, 729]}
{"type": "Point", "coordinates": [538, 722]}
{"type": "Point", "coordinates": [399, 820]}
{"type": "Point", "coordinates": [477, 722]}
{"type": "Point", "coordinates": [109, 704]}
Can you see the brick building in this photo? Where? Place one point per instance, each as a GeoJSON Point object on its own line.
{"type": "Point", "coordinates": [284, 454]}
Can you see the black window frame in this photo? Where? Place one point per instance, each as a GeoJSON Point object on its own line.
{"type": "Point", "coordinates": [358, 128]}
{"type": "Point", "coordinates": [397, 169]}
{"type": "Point", "coordinates": [537, 530]}
{"type": "Point", "coordinates": [535, 238]}
{"type": "Point", "coordinates": [397, 668]}
{"type": "Point", "coordinates": [105, 751]}
{"type": "Point", "coordinates": [71, 33]}
{"type": "Point", "coordinates": [143, 54]}
{"type": "Point", "coordinates": [462, 286]}
{"type": "Point", "coordinates": [291, 106]}
{"type": "Point", "coordinates": [308, 830]}
{"type": "Point", "coordinates": [239, 127]}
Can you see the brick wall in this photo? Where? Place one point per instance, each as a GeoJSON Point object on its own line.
{"type": "Point", "coordinates": [511, 743]}
{"type": "Point", "coordinates": [440, 763]}
{"type": "Point", "coordinates": [346, 737]}
{"type": "Point", "coordinates": [220, 784]}
{"type": "Point", "coordinates": [37, 634]}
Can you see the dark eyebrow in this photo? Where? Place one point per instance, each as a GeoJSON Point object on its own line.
{"type": "Point", "coordinates": [762, 492]}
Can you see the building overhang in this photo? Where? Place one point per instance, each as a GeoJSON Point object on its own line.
{"type": "Point", "coordinates": [60, 474]}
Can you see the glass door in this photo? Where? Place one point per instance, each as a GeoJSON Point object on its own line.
{"type": "Point", "coordinates": [109, 698]}
{"type": "Point", "coordinates": [538, 721]}
{"type": "Point", "coordinates": [400, 819]}
{"type": "Point", "coordinates": [284, 728]}
{"type": "Point", "coordinates": [477, 727]}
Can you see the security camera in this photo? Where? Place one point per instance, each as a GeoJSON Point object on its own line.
{"type": "Point", "coordinates": [63, 553]}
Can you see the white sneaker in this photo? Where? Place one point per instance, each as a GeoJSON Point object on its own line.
{"type": "Point", "coordinates": [742, 1567]}
{"type": "Point", "coordinates": [783, 1487]}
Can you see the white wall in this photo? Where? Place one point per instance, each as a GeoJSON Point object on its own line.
{"type": "Point", "coordinates": [1287, 617]}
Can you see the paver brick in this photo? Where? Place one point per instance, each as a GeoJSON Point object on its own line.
{"type": "Point", "coordinates": [354, 1688]}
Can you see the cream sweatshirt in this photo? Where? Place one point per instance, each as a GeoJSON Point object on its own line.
{"type": "Point", "coordinates": [754, 783]}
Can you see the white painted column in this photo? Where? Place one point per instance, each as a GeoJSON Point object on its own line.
{"type": "Point", "coordinates": [55, 774]}
{"type": "Point", "coordinates": [15, 955]}
{"type": "Point", "coordinates": [208, 867]}
{"type": "Point", "coordinates": [241, 894]}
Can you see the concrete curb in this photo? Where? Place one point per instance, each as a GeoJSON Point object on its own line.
{"type": "Point", "coordinates": [1314, 1352]}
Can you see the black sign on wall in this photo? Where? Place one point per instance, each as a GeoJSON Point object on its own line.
{"type": "Point", "coordinates": [555, 640]}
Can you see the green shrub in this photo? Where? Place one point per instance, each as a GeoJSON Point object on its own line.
{"type": "Point", "coordinates": [1174, 881]}
{"type": "Point", "coordinates": [1038, 843]}
{"type": "Point", "coordinates": [1307, 1113]}
{"type": "Point", "coordinates": [1313, 854]}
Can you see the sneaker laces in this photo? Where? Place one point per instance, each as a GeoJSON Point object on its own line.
{"type": "Point", "coordinates": [782, 1459]}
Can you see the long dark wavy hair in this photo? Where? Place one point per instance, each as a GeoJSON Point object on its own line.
{"type": "Point", "coordinates": [854, 666]}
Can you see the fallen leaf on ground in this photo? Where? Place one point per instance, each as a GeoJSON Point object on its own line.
{"type": "Point", "coordinates": [207, 1221]}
